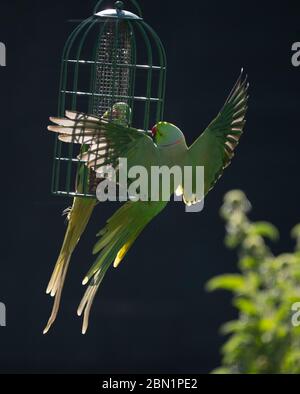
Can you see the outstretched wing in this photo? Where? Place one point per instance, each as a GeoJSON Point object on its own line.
{"type": "Point", "coordinates": [106, 141]}
{"type": "Point", "coordinates": [117, 237]}
{"type": "Point", "coordinates": [214, 149]}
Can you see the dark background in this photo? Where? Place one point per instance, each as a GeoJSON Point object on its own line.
{"type": "Point", "coordinates": [152, 314]}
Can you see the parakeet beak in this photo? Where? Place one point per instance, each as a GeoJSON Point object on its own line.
{"type": "Point", "coordinates": [154, 132]}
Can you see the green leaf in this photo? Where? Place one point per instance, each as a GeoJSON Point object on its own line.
{"type": "Point", "coordinates": [247, 263]}
{"type": "Point", "coordinates": [267, 324]}
{"type": "Point", "coordinates": [295, 233]}
{"type": "Point", "coordinates": [246, 306]}
{"type": "Point", "coordinates": [264, 229]}
{"type": "Point", "coordinates": [231, 282]}
{"type": "Point", "coordinates": [221, 371]}
{"type": "Point", "coordinates": [231, 327]}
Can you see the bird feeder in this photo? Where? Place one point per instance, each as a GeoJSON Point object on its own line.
{"type": "Point", "coordinates": [113, 56]}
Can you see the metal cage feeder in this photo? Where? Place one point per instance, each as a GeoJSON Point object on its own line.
{"type": "Point", "coordinates": [113, 56]}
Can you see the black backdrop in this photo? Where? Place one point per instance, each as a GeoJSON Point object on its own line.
{"type": "Point", "coordinates": [151, 315]}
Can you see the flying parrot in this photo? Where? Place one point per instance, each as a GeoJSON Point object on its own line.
{"type": "Point", "coordinates": [165, 145]}
{"type": "Point", "coordinates": [78, 217]}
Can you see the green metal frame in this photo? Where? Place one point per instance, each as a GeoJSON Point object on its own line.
{"type": "Point", "coordinates": [81, 51]}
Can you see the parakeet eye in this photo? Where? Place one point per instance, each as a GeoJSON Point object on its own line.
{"type": "Point", "coordinates": [154, 131]}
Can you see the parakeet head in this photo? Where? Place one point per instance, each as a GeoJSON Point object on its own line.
{"type": "Point", "coordinates": [119, 114]}
{"type": "Point", "coordinates": [166, 134]}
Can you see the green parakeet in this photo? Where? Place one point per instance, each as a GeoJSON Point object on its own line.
{"type": "Point", "coordinates": [78, 217]}
{"type": "Point", "coordinates": [164, 146]}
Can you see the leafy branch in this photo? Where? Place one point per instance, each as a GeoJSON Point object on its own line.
{"type": "Point", "coordinates": [263, 338]}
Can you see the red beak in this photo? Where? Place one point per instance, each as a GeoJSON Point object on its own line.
{"type": "Point", "coordinates": [154, 131]}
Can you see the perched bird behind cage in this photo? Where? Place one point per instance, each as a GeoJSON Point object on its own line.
{"type": "Point", "coordinates": [78, 217]}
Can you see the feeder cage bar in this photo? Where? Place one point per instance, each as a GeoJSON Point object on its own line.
{"type": "Point", "coordinates": [111, 57]}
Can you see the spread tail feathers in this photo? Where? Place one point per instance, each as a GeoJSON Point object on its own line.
{"type": "Point", "coordinates": [117, 237]}
{"type": "Point", "coordinates": [78, 218]}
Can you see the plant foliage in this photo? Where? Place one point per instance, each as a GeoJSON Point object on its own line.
{"type": "Point", "coordinates": [263, 338]}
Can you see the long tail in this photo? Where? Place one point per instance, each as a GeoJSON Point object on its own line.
{"type": "Point", "coordinates": [117, 237]}
{"type": "Point", "coordinates": [78, 219]}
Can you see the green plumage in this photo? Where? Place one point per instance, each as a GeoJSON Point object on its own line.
{"type": "Point", "coordinates": [107, 141]}
{"type": "Point", "coordinates": [117, 237]}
